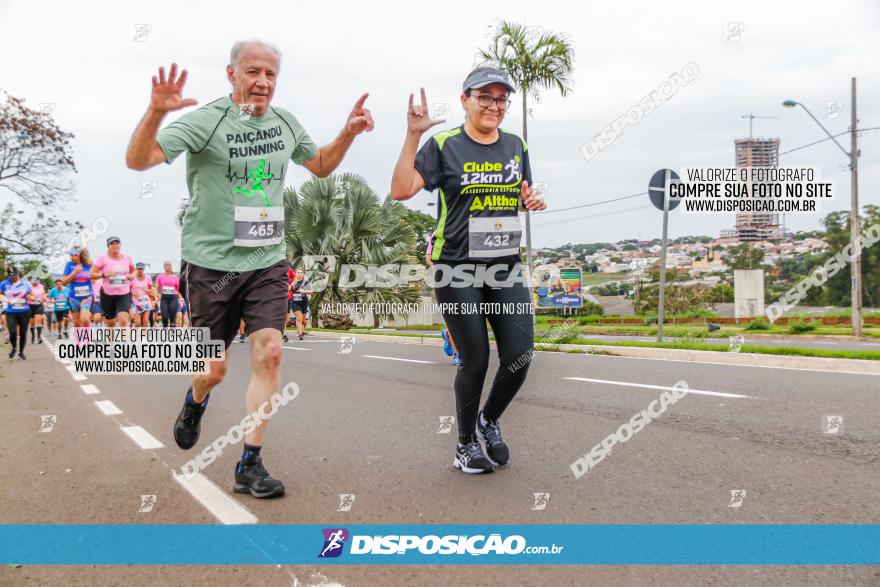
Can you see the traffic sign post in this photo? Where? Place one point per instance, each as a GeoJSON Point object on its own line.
{"type": "Point", "coordinates": [658, 191]}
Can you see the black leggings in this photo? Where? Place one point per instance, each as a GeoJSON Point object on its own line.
{"type": "Point", "coordinates": [18, 327]}
{"type": "Point", "coordinates": [514, 337]}
{"type": "Point", "coordinates": [169, 306]}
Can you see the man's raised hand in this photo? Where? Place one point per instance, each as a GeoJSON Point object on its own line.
{"type": "Point", "coordinates": [166, 96]}
{"type": "Point", "coordinates": [360, 118]}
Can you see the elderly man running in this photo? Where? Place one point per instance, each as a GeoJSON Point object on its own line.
{"type": "Point", "coordinates": [234, 267]}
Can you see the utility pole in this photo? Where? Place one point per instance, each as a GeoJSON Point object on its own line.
{"type": "Point", "coordinates": [854, 221]}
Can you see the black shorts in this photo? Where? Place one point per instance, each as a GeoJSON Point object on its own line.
{"type": "Point", "coordinates": [299, 306]}
{"type": "Point", "coordinates": [113, 305]}
{"type": "Point", "coordinates": [257, 297]}
{"type": "Point", "coordinates": [36, 309]}
{"type": "Point", "coordinates": [61, 314]}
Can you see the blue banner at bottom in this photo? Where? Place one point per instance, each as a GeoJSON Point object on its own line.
{"type": "Point", "coordinates": [524, 544]}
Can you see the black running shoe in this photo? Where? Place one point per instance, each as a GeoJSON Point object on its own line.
{"type": "Point", "coordinates": [255, 479]}
{"type": "Point", "coordinates": [12, 353]}
{"type": "Point", "coordinates": [40, 340]}
{"type": "Point", "coordinates": [495, 446]}
{"type": "Point", "coordinates": [189, 424]}
{"type": "Point", "coordinates": [21, 355]}
{"type": "Point", "coordinates": [300, 336]}
{"type": "Point", "coordinates": [470, 458]}
{"type": "Point", "coordinates": [284, 338]}
{"type": "Point", "coordinates": [240, 338]}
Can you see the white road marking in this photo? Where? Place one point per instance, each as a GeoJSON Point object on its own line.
{"type": "Point", "coordinates": [144, 439]}
{"type": "Point", "coordinates": [294, 348]}
{"type": "Point", "coordinates": [216, 500]}
{"type": "Point", "coordinates": [76, 376]}
{"type": "Point", "coordinates": [731, 364]}
{"type": "Point", "coordinates": [108, 407]}
{"type": "Point", "coordinates": [220, 504]}
{"type": "Point", "coordinates": [397, 359]}
{"type": "Point", "coordinates": [660, 387]}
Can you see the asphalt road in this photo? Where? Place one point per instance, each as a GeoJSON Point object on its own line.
{"type": "Point", "coordinates": [366, 423]}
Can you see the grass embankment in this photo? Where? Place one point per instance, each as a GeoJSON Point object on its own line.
{"type": "Point", "coordinates": [700, 330]}
{"type": "Point", "coordinates": [550, 345]}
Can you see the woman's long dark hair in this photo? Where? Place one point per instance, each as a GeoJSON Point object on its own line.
{"type": "Point", "coordinates": [84, 257]}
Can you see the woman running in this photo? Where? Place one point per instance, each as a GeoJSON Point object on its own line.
{"type": "Point", "coordinates": [299, 300]}
{"type": "Point", "coordinates": [49, 306]}
{"type": "Point", "coordinates": [154, 306]}
{"type": "Point", "coordinates": [182, 313]}
{"type": "Point", "coordinates": [484, 177]}
{"type": "Point", "coordinates": [76, 277]}
{"type": "Point", "coordinates": [141, 297]}
{"type": "Point", "coordinates": [117, 271]}
{"type": "Point", "coordinates": [59, 295]}
{"type": "Point", "coordinates": [38, 314]}
{"type": "Point", "coordinates": [291, 275]}
{"type": "Point", "coordinates": [168, 286]}
{"type": "Point", "coordinates": [97, 310]}
{"type": "Point", "coordinates": [17, 296]}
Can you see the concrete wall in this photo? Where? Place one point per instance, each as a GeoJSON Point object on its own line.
{"type": "Point", "coordinates": [748, 293]}
{"type": "Point", "coordinates": [422, 316]}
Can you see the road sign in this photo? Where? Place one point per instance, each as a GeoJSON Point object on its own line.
{"type": "Point", "coordinates": [657, 188]}
{"type": "Point", "coordinates": [657, 191]}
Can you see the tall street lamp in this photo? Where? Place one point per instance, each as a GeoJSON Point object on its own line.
{"type": "Point", "coordinates": [853, 155]}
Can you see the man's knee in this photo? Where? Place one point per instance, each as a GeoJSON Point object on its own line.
{"type": "Point", "coordinates": [217, 373]}
{"type": "Point", "coordinates": [267, 354]}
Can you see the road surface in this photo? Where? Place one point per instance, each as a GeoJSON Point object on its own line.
{"type": "Point", "coordinates": [366, 423]}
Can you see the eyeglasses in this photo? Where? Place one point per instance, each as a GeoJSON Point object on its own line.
{"type": "Point", "coordinates": [485, 101]}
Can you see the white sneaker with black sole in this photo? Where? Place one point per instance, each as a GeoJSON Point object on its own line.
{"type": "Point", "coordinates": [471, 459]}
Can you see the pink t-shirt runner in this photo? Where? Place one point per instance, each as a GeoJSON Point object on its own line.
{"type": "Point", "coordinates": [139, 288]}
{"type": "Point", "coordinates": [115, 274]}
{"type": "Point", "coordinates": [39, 294]}
{"type": "Point", "coordinates": [167, 284]}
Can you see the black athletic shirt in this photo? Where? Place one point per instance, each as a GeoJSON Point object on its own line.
{"type": "Point", "coordinates": [479, 195]}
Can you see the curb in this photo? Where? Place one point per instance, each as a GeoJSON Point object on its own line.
{"type": "Point", "coordinates": [856, 366]}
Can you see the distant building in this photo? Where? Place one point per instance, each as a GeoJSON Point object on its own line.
{"type": "Point", "coordinates": [755, 226]}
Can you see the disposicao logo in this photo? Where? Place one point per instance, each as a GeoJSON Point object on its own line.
{"type": "Point", "coordinates": [334, 541]}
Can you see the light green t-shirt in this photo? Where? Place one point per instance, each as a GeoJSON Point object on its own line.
{"type": "Point", "coordinates": [235, 169]}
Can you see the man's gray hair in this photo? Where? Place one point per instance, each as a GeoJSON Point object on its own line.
{"type": "Point", "coordinates": [239, 45]}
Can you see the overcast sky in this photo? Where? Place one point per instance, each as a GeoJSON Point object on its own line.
{"type": "Point", "coordinates": [84, 59]}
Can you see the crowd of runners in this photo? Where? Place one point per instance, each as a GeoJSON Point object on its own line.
{"type": "Point", "coordinates": [110, 292]}
{"type": "Point", "coordinates": [107, 292]}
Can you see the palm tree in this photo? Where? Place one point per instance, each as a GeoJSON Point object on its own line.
{"type": "Point", "coordinates": [535, 59]}
{"type": "Point", "coordinates": [341, 218]}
